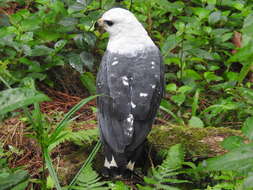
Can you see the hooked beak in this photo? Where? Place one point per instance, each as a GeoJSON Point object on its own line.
{"type": "Point", "coordinates": [100, 25]}
{"type": "Point", "coordinates": [100, 22]}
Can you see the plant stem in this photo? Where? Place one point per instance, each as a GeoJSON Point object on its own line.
{"type": "Point", "coordinates": [44, 178]}
{"type": "Point", "coordinates": [182, 56]}
{"type": "Point", "coordinates": [51, 170]}
{"type": "Point", "coordinates": [100, 4]}
{"type": "Point", "coordinates": [6, 84]}
{"type": "Point", "coordinates": [181, 60]}
{"type": "Point", "coordinates": [131, 5]}
{"type": "Point", "coordinates": [87, 162]}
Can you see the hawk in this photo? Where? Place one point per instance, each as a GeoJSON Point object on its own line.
{"type": "Point", "coordinates": [131, 79]}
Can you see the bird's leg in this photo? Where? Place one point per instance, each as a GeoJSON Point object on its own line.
{"type": "Point", "coordinates": [114, 165]}
{"type": "Point", "coordinates": [132, 159]}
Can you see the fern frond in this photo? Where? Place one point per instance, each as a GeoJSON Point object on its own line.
{"type": "Point", "coordinates": [84, 136]}
{"type": "Point", "coordinates": [165, 174]}
{"type": "Point", "coordinates": [78, 137]}
{"type": "Point", "coordinates": [173, 160]}
{"type": "Point", "coordinates": [89, 180]}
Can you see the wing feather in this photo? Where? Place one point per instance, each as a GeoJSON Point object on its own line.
{"type": "Point", "coordinates": [133, 87]}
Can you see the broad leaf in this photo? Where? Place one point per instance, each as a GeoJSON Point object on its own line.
{"type": "Point", "coordinates": [15, 98]}
{"type": "Point", "coordinates": [172, 87]}
{"type": "Point", "coordinates": [196, 122]}
{"type": "Point", "coordinates": [40, 50]}
{"type": "Point", "coordinates": [239, 159]}
{"type": "Point", "coordinates": [75, 62]}
{"type": "Point", "coordinates": [87, 59]}
{"type": "Point", "coordinates": [248, 182]}
{"type": "Point", "coordinates": [232, 142]}
{"type": "Point", "coordinates": [10, 181]}
{"type": "Point", "coordinates": [248, 128]}
{"type": "Point", "coordinates": [214, 17]}
{"type": "Point", "coordinates": [59, 45]}
{"type": "Point", "coordinates": [89, 82]}
{"type": "Point", "coordinates": [178, 99]}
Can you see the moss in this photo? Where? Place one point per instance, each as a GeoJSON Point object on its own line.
{"type": "Point", "coordinates": [198, 142]}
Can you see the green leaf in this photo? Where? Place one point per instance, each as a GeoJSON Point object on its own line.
{"type": "Point", "coordinates": [51, 169]}
{"type": "Point", "coordinates": [34, 66]}
{"type": "Point", "coordinates": [178, 99]}
{"type": "Point", "coordinates": [15, 98]}
{"type": "Point", "coordinates": [89, 82]}
{"type": "Point", "coordinates": [170, 43]}
{"type": "Point", "coordinates": [59, 128]}
{"type": "Point", "coordinates": [195, 102]}
{"type": "Point", "coordinates": [201, 53]}
{"type": "Point", "coordinates": [184, 89]}
{"type": "Point", "coordinates": [90, 38]}
{"type": "Point", "coordinates": [201, 12]}
{"type": "Point", "coordinates": [244, 54]}
{"type": "Point", "coordinates": [246, 93]}
{"type": "Point", "coordinates": [196, 122]}
{"type": "Point", "coordinates": [15, 18]}
{"type": "Point", "coordinates": [235, 4]}
{"type": "Point", "coordinates": [247, 128]}
{"type": "Point", "coordinates": [174, 7]}
{"type": "Point", "coordinates": [4, 20]}
{"type": "Point", "coordinates": [40, 50]}
{"type": "Point", "coordinates": [119, 185]}
{"type": "Point", "coordinates": [87, 59]}
{"type": "Point", "coordinates": [211, 76]}
{"type": "Point", "coordinates": [248, 182]}
{"type": "Point", "coordinates": [174, 158]}
{"type": "Point", "coordinates": [68, 22]}
{"type": "Point", "coordinates": [213, 67]}
{"type": "Point", "coordinates": [189, 73]}
{"type": "Point", "coordinates": [214, 17]}
{"type": "Point", "coordinates": [244, 71]}
{"type": "Point", "coordinates": [172, 87]}
{"type": "Point", "coordinates": [232, 76]}
{"type": "Point", "coordinates": [81, 60]}
{"type": "Point", "coordinates": [167, 107]}
{"type": "Point", "coordinates": [26, 37]}
{"type": "Point", "coordinates": [211, 2]}
{"type": "Point", "coordinates": [75, 62]}
{"type": "Point", "coordinates": [21, 186]}
{"type": "Point", "coordinates": [50, 182]}
{"type": "Point", "coordinates": [48, 35]}
{"type": "Point", "coordinates": [31, 23]}
{"type": "Point", "coordinates": [239, 159]}
{"type": "Point", "coordinates": [247, 30]}
{"type": "Point", "coordinates": [75, 8]}
{"type": "Point", "coordinates": [11, 180]}
{"type": "Point", "coordinates": [232, 142]}
{"type": "Point", "coordinates": [86, 175]}
{"type": "Point", "coordinates": [60, 44]}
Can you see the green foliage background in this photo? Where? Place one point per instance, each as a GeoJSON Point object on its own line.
{"type": "Point", "coordinates": [208, 68]}
{"type": "Point", "coordinates": [206, 83]}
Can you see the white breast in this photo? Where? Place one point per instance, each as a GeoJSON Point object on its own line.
{"type": "Point", "coordinates": [129, 45]}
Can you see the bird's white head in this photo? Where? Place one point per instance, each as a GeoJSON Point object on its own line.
{"type": "Point", "coordinates": [127, 35]}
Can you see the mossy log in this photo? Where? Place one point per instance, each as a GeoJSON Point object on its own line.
{"type": "Point", "coordinates": [198, 142]}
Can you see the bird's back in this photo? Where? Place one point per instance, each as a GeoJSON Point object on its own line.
{"type": "Point", "coordinates": [133, 85]}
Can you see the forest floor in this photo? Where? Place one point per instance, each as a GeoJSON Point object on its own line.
{"type": "Point", "coordinates": [200, 143]}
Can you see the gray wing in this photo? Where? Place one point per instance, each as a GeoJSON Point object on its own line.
{"type": "Point", "coordinates": [132, 88]}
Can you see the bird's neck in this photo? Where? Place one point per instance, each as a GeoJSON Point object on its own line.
{"type": "Point", "coordinates": [129, 43]}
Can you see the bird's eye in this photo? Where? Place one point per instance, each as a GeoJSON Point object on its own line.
{"type": "Point", "coordinates": [108, 22]}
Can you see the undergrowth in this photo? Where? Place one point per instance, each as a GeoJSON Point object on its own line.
{"type": "Point", "coordinates": [207, 51]}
